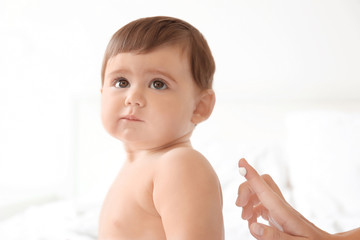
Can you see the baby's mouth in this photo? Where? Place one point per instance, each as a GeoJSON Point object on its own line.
{"type": "Point", "coordinates": [131, 118]}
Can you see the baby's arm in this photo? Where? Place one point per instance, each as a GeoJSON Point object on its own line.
{"type": "Point", "coordinates": [188, 197]}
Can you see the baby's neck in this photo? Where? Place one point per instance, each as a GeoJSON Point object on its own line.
{"type": "Point", "coordinates": [134, 153]}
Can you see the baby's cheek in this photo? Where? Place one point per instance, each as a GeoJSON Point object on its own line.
{"type": "Point", "coordinates": [107, 116]}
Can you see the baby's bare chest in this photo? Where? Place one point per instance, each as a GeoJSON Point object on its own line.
{"type": "Point", "coordinates": [128, 210]}
{"type": "Point", "coordinates": [132, 192]}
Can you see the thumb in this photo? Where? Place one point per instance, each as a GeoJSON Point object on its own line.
{"type": "Point", "coordinates": [264, 232]}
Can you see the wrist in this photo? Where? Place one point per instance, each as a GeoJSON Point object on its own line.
{"type": "Point", "coordinates": [332, 237]}
{"type": "Point", "coordinates": [322, 235]}
{"type": "Point", "coordinates": [350, 235]}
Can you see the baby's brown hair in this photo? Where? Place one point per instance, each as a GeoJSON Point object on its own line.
{"type": "Point", "coordinates": [146, 34]}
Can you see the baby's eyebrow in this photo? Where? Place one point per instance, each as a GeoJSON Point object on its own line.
{"type": "Point", "coordinates": [127, 72]}
{"type": "Point", "coordinates": [165, 74]}
{"type": "Point", "coordinates": [117, 71]}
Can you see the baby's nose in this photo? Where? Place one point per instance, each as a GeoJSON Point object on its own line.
{"type": "Point", "coordinates": [135, 97]}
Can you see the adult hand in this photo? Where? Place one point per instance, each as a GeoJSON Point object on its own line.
{"type": "Point", "coordinates": [260, 196]}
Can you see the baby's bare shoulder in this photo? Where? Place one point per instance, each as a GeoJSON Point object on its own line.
{"type": "Point", "coordinates": [184, 158]}
{"type": "Point", "coordinates": [185, 165]}
{"type": "Point", "coordinates": [187, 193]}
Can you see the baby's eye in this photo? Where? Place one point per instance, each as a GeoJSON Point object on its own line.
{"type": "Point", "coordinates": [157, 84]}
{"type": "Point", "coordinates": [121, 83]}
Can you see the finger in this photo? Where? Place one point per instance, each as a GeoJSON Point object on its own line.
{"type": "Point", "coordinates": [249, 207]}
{"type": "Point", "coordinates": [258, 211]}
{"type": "Point", "coordinates": [244, 194]}
{"type": "Point", "coordinates": [263, 232]}
{"type": "Point", "coordinates": [247, 212]}
{"type": "Point", "coordinates": [264, 213]}
{"type": "Point", "coordinates": [268, 179]}
{"type": "Point", "coordinates": [258, 185]}
{"type": "Point", "coordinates": [261, 211]}
{"type": "Point", "coordinates": [245, 190]}
{"type": "Point", "coordinates": [278, 208]}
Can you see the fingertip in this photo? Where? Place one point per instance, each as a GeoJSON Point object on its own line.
{"type": "Point", "coordinates": [242, 162]}
{"type": "Point", "coordinates": [252, 176]}
{"type": "Point", "coordinates": [241, 201]}
{"type": "Point", "coordinates": [261, 231]}
{"type": "Point", "coordinates": [242, 171]}
{"type": "Point", "coordinates": [246, 170]}
{"type": "Point", "coordinates": [237, 202]}
{"type": "Point", "coordinates": [257, 229]}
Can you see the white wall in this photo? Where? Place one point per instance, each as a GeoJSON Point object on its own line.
{"type": "Point", "coordinates": [273, 58]}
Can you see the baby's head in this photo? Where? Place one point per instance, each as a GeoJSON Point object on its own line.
{"type": "Point", "coordinates": [146, 34]}
{"type": "Point", "coordinates": [156, 82]}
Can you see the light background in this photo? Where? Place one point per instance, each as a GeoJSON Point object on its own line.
{"type": "Point", "coordinates": [287, 81]}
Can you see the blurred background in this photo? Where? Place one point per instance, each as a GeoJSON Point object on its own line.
{"type": "Point", "coordinates": [288, 99]}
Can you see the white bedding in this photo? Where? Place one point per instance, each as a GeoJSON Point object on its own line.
{"type": "Point", "coordinates": [60, 220]}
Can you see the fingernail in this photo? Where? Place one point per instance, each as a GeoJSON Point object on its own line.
{"type": "Point", "coordinates": [257, 229]}
{"type": "Point", "coordinates": [242, 171]}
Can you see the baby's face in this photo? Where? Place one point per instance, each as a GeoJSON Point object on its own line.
{"type": "Point", "coordinates": [148, 99]}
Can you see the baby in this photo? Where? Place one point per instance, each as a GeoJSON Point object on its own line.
{"type": "Point", "coordinates": [156, 87]}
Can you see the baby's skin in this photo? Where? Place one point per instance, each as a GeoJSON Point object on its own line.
{"type": "Point", "coordinates": [139, 204]}
{"type": "Point", "coordinates": [165, 189]}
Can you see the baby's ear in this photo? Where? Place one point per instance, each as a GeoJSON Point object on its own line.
{"type": "Point", "coordinates": [204, 107]}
